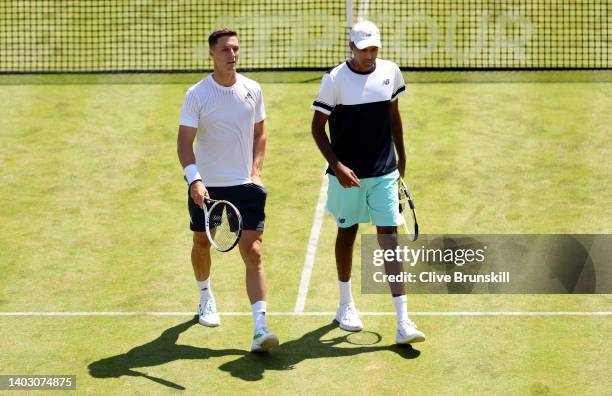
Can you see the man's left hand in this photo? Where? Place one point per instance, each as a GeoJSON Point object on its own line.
{"type": "Point", "coordinates": [256, 180]}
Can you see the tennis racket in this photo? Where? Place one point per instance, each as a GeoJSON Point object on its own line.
{"type": "Point", "coordinates": [223, 224]}
{"type": "Point", "coordinates": [406, 208]}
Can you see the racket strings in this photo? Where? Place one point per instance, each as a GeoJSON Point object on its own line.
{"type": "Point", "coordinates": [224, 224]}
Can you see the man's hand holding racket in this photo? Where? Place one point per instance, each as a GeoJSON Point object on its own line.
{"type": "Point", "coordinates": [223, 220]}
{"type": "Point", "coordinates": [198, 192]}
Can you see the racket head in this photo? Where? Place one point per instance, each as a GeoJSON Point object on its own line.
{"type": "Point", "coordinates": [223, 224]}
{"type": "Point", "coordinates": [410, 226]}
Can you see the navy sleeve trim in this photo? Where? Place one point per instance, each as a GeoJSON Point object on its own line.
{"type": "Point", "coordinates": [322, 105]}
{"type": "Point", "coordinates": [400, 89]}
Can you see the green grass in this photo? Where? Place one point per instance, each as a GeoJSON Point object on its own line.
{"type": "Point", "coordinates": [506, 356]}
{"type": "Point", "coordinates": [93, 219]}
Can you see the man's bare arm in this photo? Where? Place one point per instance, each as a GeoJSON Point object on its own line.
{"type": "Point", "coordinates": [260, 139]}
{"type": "Point", "coordinates": [346, 177]}
{"type": "Point", "coordinates": [398, 136]}
{"type": "Point", "coordinates": [186, 136]}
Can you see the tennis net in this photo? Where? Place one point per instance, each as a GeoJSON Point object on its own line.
{"type": "Point", "coordinates": [106, 36]}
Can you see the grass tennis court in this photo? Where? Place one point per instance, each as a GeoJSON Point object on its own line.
{"type": "Point", "coordinates": [93, 218]}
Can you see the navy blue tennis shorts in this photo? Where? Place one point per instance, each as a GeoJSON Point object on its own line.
{"type": "Point", "coordinates": [250, 199]}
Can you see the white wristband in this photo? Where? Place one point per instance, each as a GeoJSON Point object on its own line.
{"type": "Point", "coordinates": [192, 174]}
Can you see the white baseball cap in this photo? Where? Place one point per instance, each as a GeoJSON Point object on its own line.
{"type": "Point", "coordinates": [365, 34]}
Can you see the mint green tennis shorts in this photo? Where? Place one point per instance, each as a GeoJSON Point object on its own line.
{"type": "Point", "coordinates": [376, 200]}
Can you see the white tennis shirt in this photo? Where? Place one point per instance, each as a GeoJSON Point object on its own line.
{"type": "Point", "coordinates": [224, 117]}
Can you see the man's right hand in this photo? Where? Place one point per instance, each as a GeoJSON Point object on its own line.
{"type": "Point", "coordinates": [198, 192]}
{"type": "Point", "coordinates": [346, 177]}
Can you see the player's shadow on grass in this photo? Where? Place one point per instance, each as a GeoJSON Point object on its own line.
{"type": "Point", "coordinates": [249, 367]}
{"type": "Point", "coordinates": [160, 351]}
{"type": "Point", "coordinates": [252, 366]}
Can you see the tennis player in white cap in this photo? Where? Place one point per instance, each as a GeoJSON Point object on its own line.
{"type": "Point", "coordinates": [359, 98]}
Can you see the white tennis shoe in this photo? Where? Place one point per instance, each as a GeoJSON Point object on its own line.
{"type": "Point", "coordinates": [407, 333]}
{"type": "Point", "coordinates": [207, 313]}
{"type": "Point", "coordinates": [347, 317]}
{"type": "Point", "coordinates": [263, 340]}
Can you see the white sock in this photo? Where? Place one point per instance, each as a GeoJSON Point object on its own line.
{"type": "Point", "coordinates": [204, 288]}
{"type": "Point", "coordinates": [259, 314]}
{"type": "Point", "coordinates": [401, 307]}
{"type": "Point", "coordinates": [345, 292]}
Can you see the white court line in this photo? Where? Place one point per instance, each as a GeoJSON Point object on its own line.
{"type": "Point", "coordinates": [431, 313]}
{"type": "Point", "coordinates": [311, 251]}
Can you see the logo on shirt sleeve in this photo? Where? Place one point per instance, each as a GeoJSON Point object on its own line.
{"type": "Point", "coordinates": [386, 82]}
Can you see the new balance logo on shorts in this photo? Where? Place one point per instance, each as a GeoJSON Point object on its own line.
{"type": "Point", "coordinates": [341, 221]}
{"type": "Point", "coordinates": [386, 82]}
